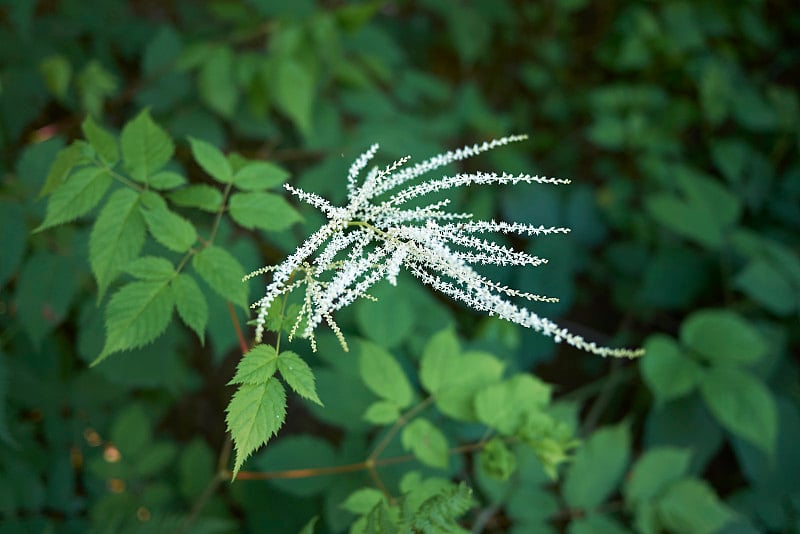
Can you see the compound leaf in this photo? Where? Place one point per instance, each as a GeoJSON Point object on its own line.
{"type": "Point", "coordinates": [383, 375]}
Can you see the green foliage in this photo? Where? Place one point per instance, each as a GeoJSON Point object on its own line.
{"type": "Point", "coordinates": [154, 143]}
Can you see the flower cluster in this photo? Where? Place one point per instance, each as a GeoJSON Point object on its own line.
{"type": "Point", "coordinates": [369, 240]}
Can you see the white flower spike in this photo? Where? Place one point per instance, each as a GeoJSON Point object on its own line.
{"type": "Point", "coordinates": [369, 240]}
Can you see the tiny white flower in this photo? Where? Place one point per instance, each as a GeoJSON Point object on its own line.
{"type": "Point", "coordinates": [369, 240]}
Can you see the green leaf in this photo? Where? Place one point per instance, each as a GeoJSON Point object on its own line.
{"type": "Point", "coordinates": [262, 210]}
{"type": "Point", "coordinates": [426, 442]}
{"type": "Point", "coordinates": [165, 180]}
{"type": "Point", "coordinates": [137, 314]}
{"type": "Point", "coordinates": [216, 82]}
{"type": "Point", "coordinates": [166, 226]}
{"type": "Point", "coordinates": [298, 375]}
{"type": "Point", "coordinates": [294, 92]}
{"type": "Point", "coordinates": [151, 268]}
{"type": "Point", "coordinates": [211, 160]}
{"type": "Point", "coordinates": [703, 214]}
{"type": "Point", "coordinates": [259, 175]}
{"type": "Point", "coordinates": [131, 431]}
{"type": "Point", "coordinates": [690, 506]}
{"type": "Point", "coordinates": [256, 413]}
{"type": "Point", "coordinates": [362, 500]}
{"type": "Point", "coordinates": [668, 372]}
{"type": "Point", "coordinates": [13, 238]}
{"type": "Point", "coordinates": [57, 73]}
{"type": "Point", "coordinates": [596, 524]}
{"type": "Point", "coordinates": [721, 336]}
{"type": "Point", "coordinates": [104, 143]}
{"type": "Point", "coordinates": [598, 467]}
{"type": "Point", "coordinates": [654, 471]}
{"type": "Point", "coordinates": [382, 412]}
{"type": "Point", "coordinates": [471, 372]}
{"type": "Point", "coordinates": [438, 359]}
{"type": "Point", "coordinates": [504, 406]}
{"type": "Point", "coordinates": [257, 366]}
{"type": "Point", "coordinates": [223, 273]}
{"type": "Point", "coordinates": [81, 192]}
{"type": "Point", "coordinates": [60, 169]}
{"type": "Point", "coordinates": [202, 196]}
{"type": "Point", "coordinates": [117, 237]}
{"type": "Point", "coordinates": [196, 467]}
{"type": "Point", "coordinates": [191, 304]}
{"type": "Point", "coordinates": [743, 405]}
{"type": "Point", "coordinates": [146, 147]}
{"type": "Point", "coordinates": [389, 320]}
{"type": "Point", "coordinates": [497, 460]}
{"type": "Point", "coordinates": [308, 528]}
{"type": "Point", "coordinates": [768, 286]}
{"type": "Point", "coordinates": [383, 375]}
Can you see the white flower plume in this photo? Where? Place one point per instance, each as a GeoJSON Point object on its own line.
{"type": "Point", "coordinates": [369, 240]}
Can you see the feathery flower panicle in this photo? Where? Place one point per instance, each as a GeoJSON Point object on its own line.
{"type": "Point", "coordinates": [369, 240]}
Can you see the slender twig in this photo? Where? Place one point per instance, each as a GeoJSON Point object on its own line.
{"type": "Point", "coordinates": [401, 421]}
{"type": "Point", "coordinates": [239, 335]}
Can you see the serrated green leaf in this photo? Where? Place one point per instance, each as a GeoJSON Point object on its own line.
{"type": "Point", "coordinates": [60, 169]}
{"type": "Point", "coordinates": [165, 180]}
{"type": "Point", "coordinates": [267, 211]}
{"type": "Point", "coordinates": [294, 92]}
{"type": "Point", "coordinates": [598, 467]}
{"type": "Point", "coordinates": [721, 336]}
{"type": "Point", "coordinates": [146, 147]}
{"type": "Point", "coordinates": [201, 196]}
{"type": "Point", "coordinates": [654, 471]}
{"type": "Point", "coordinates": [166, 226]}
{"type": "Point", "coordinates": [438, 358]}
{"type": "Point", "coordinates": [223, 273]}
{"type": "Point", "coordinates": [426, 442]}
{"type": "Point", "coordinates": [137, 314]}
{"type": "Point", "coordinates": [211, 160]}
{"type": "Point", "coordinates": [257, 366]}
{"type": "Point", "coordinates": [259, 175]}
{"type": "Point", "coordinates": [191, 304]}
{"type": "Point", "coordinates": [117, 237]}
{"type": "Point", "coordinates": [256, 413]}
{"type": "Point", "coordinates": [383, 375]}
{"type": "Point", "coordinates": [104, 143]}
{"type": "Point", "coordinates": [151, 268]}
{"type": "Point", "coordinates": [216, 81]}
{"type": "Point", "coordinates": [296, 372]}
{"type": "Point", "coordinates": [504, 406]}
{"type": "Point", "coordinates": [362, 500]}
{"type": "Point", "coordinates": [743, 405]}
{"type": "Point", "coordinates": [690, 506]}
{"type": "Point", "coordinates": [668, 372]}
{"type": "Point", "coordinates": [382, 412]}
{"type": "Point", "coordinates": [81, 192]}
